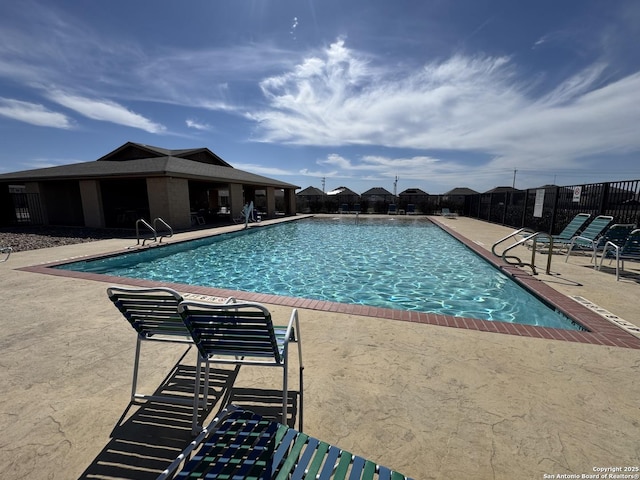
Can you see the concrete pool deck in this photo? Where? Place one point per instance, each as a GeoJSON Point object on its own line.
{"type": "Point", "coordinates": [429, 401]}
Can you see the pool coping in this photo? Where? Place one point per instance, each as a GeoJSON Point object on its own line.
{"type": "Point", "coordinates": [600, 331]}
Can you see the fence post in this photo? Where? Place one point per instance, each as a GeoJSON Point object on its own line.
{"type": "Point", "coordinates": [604, 199]}
{"type": "Point", "coordinates": [554, 210]}
{"type": "Point", "coordinates": [524, 208]}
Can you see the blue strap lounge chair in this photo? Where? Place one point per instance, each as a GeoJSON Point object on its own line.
{"type": "Point", "coordinates": [153, 313]}
{"type": "Point", "coordinates": [616, 234]}
{"type": "Point", "coordinates": [630, 250]}
{"type": "Point", "coordinates": [242, 445]}
{"type": "Point", "coordinates": [572, 229]}
{"type": "Point", "coordinates": [392, 209]}
{"type": "Point", "coordinates": [242, 334]}
{"type": "Point", "coordinates": [5, 251]}
{"type": "Point", "coordinates": [590, 237]}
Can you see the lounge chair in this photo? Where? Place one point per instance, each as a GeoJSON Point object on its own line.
{"type": "Point", "coordinates": [590, 237]}
{"type": "Point", "coordinates": [630, 250]}
{"type": "Point", "coordinates": [344, 208]}
{"type": "Point", "coordinates": [411, 209]}
{"type": "Point", "coordinates": [5, 251]}
{"type": "Point", "coordinates": [616, 234]}
{"type": "Point", "coordinates": [571, 230]}
{"type": "Point", "coordinates": [392, 209]}
{"type": "Point", "coordinates": [241, 444]}
{"type": "Point", "coordinates": [242, 334]}
{"type": "Point", "coordinates": [153, 313]}
{"type": "Point", "coordinates": [445, 212]}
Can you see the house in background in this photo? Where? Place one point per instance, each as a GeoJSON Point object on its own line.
{"type": "Point", "coordinates": [377, 200]}
{"type": "Point", "coordinates": [342, 198]}
{"type": "Point", "coordinates": [414, 200]}
{"type": "Point", "coordinates": [310, 200]}
{"type": "Point", "coordinates": [140, 181]}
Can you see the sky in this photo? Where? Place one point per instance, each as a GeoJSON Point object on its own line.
{"type": "Point", "coordinates": [430, 94]}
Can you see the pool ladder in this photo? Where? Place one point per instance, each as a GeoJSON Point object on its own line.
{"type": "Point", "coordinates": [154, 229]}
{"type": "Point", "coordinates": [527, 236]}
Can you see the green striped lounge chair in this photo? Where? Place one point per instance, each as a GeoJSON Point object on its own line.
{"type": "Point", "coordinates": [590, 237]}
{"type": "Point", "coordinates": [243, 334]}
{"type": "Point", "coordinates": [239, 444]}
{"type": "Point", "coordinates": [616, 234]}
{"type": "Point", "coordinates": [630, 250]}
{"type": "Point", "coordinates": [571, 230]}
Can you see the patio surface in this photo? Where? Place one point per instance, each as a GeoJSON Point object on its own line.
{"type": "Point", "coordinates": [431, 401]}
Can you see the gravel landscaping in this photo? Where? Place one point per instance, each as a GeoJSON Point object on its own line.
{"type": "Point", "coordinates": [32, 238]}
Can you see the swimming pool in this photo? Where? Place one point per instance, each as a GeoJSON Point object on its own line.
{"type": "Point", "coordinates": [405, 264]}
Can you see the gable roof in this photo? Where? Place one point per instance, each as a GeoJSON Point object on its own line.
{"type": "Point", "coordinates": [413, 191]}
{"type": "Point", "coordinates": [377, 191]}
{"type": "Point", "coordinates": [137, 151]}
{"type": "Point", "coordinates": [342, 191]}
{"type": "Point", "coordinates": [461, 191]}
{"type": "Point", "coordinates": [121, 163]}
{"type": "Point", "coordinates": [310, 192]}
{"type": "Point", "coordinates": [502, 190]}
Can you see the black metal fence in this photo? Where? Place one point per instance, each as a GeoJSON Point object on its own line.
{"type": "Point", "coordinates": [550, 209]}
{"type": "Point", "coordinates": [23, 209]}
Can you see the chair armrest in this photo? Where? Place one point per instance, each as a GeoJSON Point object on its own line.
{"type": "Point", "coordinates": [292, 327]}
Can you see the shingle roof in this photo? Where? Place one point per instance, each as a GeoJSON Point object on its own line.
{"type": "Point", "coordinates": [502, 190]}
{"type": "Point", "coordinates": [310, 192]}
{"type": "Point", "coordinates": [376, 191]}
{"type": "Point", "coordinates": [461, 191]}
{"type": "Point", "coordinates": [167, 165]}
{"type": "Point", "coordinates": [413, 191]}
{"type": "Point", "coordinates": [342, 191]}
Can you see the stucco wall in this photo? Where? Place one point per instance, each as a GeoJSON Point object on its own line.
{"type": "Point", "coordinates": [92, 203]}
{"type": "Point", "coordinates": [169, 200]}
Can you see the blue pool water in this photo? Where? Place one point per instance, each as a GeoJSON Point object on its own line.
{"type": "Point", "coordinates": [407, 264]}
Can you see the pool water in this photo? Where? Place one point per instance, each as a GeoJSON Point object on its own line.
{"type": "Point", "coordinates": [406, 264]}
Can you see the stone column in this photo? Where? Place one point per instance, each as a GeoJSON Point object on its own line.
{"type": "Point", "coordinates": [92, 208]}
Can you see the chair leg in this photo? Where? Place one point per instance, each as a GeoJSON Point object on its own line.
{"type": "Point", "coordinates": [285, 396]}
{"type": "Point", "coordinates": [205, 396]}
{"type": "Point", "coordinates": [136, 364]}
{"type": "Point", "coordinates": [196, 398]}
{"type": "Point", "coordinates": [301, 399]}
{"type": "Point", "coordinates": [301, 365]}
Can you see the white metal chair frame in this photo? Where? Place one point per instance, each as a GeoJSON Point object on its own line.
{"type": "Point", "coordinates": [618, 253]}
{"type": "Point", "coordinates": [231, 333]}
{"type": "Point", "coordinates": [153, 313]}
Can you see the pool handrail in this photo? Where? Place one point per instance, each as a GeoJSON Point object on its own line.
{"type": "Point", "coordinates": [163, 224]}
{"type": "Point", "coordinates": [146, 224]}
{"type": "Point", "coordinates": [154, 230]}
{"type": "Point", "coordinates": [529, 235]}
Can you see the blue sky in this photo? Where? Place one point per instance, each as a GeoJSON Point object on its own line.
{"type": "Point", "coordinates": [438, 93]}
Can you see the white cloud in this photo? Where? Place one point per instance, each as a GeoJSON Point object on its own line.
{"type": "Point", "coordinates": [105, 110]}
{"type": "Point", "coordinates": [33, 113]}
{"type": "Point", "coordinates": [377, 167]}
{"type": "Point", "coordinates": [198, 125]}
{"type": "Point", "coordinates": [466, 104]}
